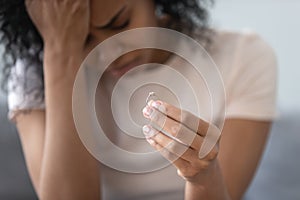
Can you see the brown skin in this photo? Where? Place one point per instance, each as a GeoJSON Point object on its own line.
{"type": "Point", "coordinates": [53, 151]}
{"type": "Point", "coordinates": [139, 13]}
{"type": "Point", "coordinates": [213, 177]}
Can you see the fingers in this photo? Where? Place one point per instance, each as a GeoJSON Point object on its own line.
{"type": "Point", "coordinates": [172, 128]}
{"type": "Point", "coordinates": [165, 118]}
{"type": "Point", "coordinates": [175, 151]}
{"type": "Point", "coordinates": [181, 138]}
{"type": "Point", "coordinates": [184, 168]}
{"type": "Point", "coordinates": [177, 161]}
{"type": "Point", "coordinates": [171, 145]}
{"type": "Point", "coordinates": [61, 20]}
{"type": "Point", "coordinates": [184, 117]}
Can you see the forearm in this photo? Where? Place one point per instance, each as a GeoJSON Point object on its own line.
{"type": "Point", "coordinates": [210, 186]}
{"type": "Point", "coordinates": [68, 170]}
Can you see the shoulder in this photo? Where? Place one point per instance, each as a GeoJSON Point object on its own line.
{"type": "Point", "coordinates": [249, 67]}
{"type": "Point", "coordinates": [239, 52]}
{"type": "Point", "coordinates": [244, 43]}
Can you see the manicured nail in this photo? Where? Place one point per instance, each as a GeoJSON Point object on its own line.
{"type": "Point", "coordinates": [147, 111]}
{"type": "Point", "coordinates": [150, 102]}
{"type": "Point", "coordinates": [158, 105]}
{"type": "Point", "coordinates": [146, 129]}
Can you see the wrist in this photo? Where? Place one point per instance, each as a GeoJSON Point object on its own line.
{"type": "Point", "coordinates": [207, 185]}
{"type": "Point", "coordinates": [63, 48]}
{"type": "Point", "coordinates": [204, 177]}
{"type": "Point", "coordinates": [60, 63]}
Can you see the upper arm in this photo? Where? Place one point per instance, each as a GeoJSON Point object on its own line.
{"type": "Point", "coordinates": [31, 129]}
{"type": "Point", "coordinates": [27, 110]}
{"type": "Point", "coordinates": [241, 148]}
{"type": "Point", "coordinates": [251, 107]}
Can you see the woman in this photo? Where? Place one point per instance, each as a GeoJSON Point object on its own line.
{"type": "Point", "coordinates": [47, 49]}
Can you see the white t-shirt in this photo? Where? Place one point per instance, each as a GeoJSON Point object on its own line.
{"type": "Point", "coordinates": [249, 71]}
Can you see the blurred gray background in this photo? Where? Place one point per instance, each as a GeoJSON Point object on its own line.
{"type": "Point", "coordinates": [278, 22]}
{"type": "Point", "coordinates": [278, 177]}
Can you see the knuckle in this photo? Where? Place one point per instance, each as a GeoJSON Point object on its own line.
{"type": "Point", "coordinates": [156, 146]}
{"type": "Point", "coordinates": [194, 160]}
{"type": "Point", "coordinates": [158, 117]}
{"type": "Point", "coordinates": [188, 172]}
{"type": "Point", "coordinates": [184, 170]}
{"type": "Point", "coordinates": [212, 154]}
{"type": "Point", "coordinates": [175, 129]}
{"type": "Point", "coordinates": [156, 137]}
{"type": "Point", "coordinates": [202, 165]}
{"type": "Point", "coordinates": [182, 133]}
{"type": "Point", "coordinates": [167, 154]}
{"type": "Point", "coordinates": [166, 106]}
{"type": "Point", "coordinates": [172, 146]}
{"type": "Point", "coordinates": [175, 148]}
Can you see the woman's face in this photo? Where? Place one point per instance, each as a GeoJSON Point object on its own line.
{"type": "Point", "coordinates": [109, 17]}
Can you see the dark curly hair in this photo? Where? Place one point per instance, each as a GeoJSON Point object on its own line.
{"type": "Point", "coordinates": [21, 40]}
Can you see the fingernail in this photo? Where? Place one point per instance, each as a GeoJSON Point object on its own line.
{"type": "Point", "coordinates": [148, 131]}
{"type": "Point", "coordinates": [158, 105]}
{"type": "Point", "coordinates": [150, 102]}
{"type": "Point", "coordinates": [147, 111]}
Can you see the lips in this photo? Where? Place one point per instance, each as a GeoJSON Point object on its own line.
{"type": "Point", "coordinates": [119, 71]}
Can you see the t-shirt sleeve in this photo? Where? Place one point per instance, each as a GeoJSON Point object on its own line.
{"type": "Point", "coordinates": [25, 90]}
{"type": "Point", "coordinates": [254, 81]}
